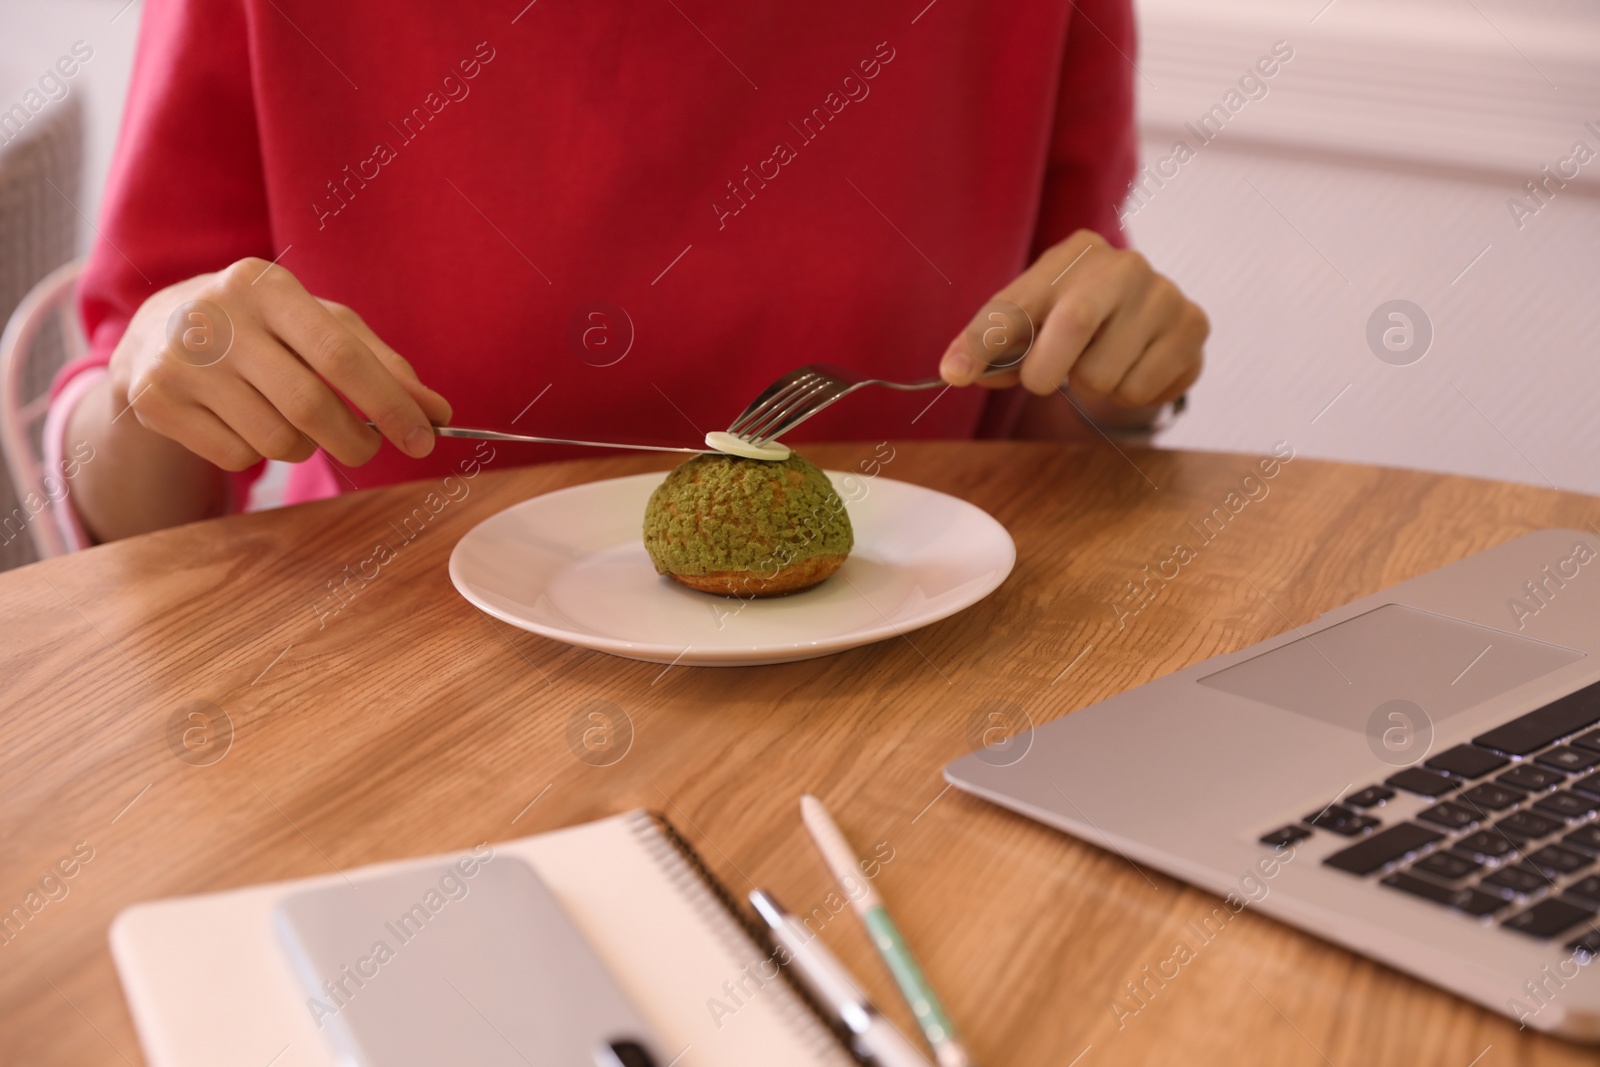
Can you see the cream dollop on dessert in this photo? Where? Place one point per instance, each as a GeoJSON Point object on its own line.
{"type": "Point", "coordinates": [727, 443]}
{"type": "Point", "coordinates": [745, 527]}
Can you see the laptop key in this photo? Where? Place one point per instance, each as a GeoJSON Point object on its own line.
{"type": "Point", "coordinates": [1533, 779]}
{"type": "Point", "coordinates": [1514, 881]}
{"type": "Point", "coordinates": [1569, 759]}
{"type": "Point", "coordinates": [1285, 835]}
{"type": "Point", "coordinates": [1567, 805]}
{"type": "Point", "coordinates": [1527, 825]}
{"type": "Point", "coordinates": [1588, 888]}
{"type": "Point", "coordinates": [1471, 901]}
{"type": "Point", "coordinates": [1467, 761]}
{"type": "Point", "coordinates": [1553, 859]}
{"type": "Point", "coordinates": [1372, 796]}
{"type": "Point", "coordinates": [1491, 797]}
{"type": "Point", "coordinates": [1584, 837]}
{"type": "Point", "coordinates": [1421, 782]}
{"type": "Point", "coordinates": [1383, 847]}
{"type": "Point", "coordinates": [1586, 946]}
{"type": "Point", "coordinates": [1340, 820]}
{"type": "Point", "coordinates": [1538, 728]}
{"type": "Point", "coordinates": [1486, 844]}
{"type": "Point", "coordinates": [1590, 785]}
{"type": "Point", "coordinates": [1548, 918]}
{"type": "Point", "coordinates": [1589, 740]}
{"type": "Point", "coordinates": [1451, 816]}
{"type": "Point", "coordinates": [1446, 866]}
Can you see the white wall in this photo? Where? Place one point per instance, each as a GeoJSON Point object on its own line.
{"type": "Point", "coordinates": [1378, 167]}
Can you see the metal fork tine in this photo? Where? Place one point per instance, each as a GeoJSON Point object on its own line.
{"type": "Point", "coordinates": [781, 386]}
{"type": "Point", "coordinates": [832, 390]}
{"type": "Point", "coordinates": [787, 425]}
{"type": "Point", "coordinates": [784, 387]}
{"type": "Point", "coordinates": [780, 414]}
{"type": "Point", "coordinates": [800, 394]}
{"type": "Point", "coordinates": [761, 412]}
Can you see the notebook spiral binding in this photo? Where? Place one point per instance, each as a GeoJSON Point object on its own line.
{"type": "Point", "coordinates": [808, 1020]}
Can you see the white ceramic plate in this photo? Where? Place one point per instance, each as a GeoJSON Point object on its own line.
{"type": "Point", "coordinates": [571, 565]}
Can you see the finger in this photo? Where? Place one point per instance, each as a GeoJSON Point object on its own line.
{"type": "Point", "coordinates": [1000, 381]}
{"type": "Point", "coordinates": [1180, 386]}
{"type": "Point", "coordinates": [1072, 323]}
{"type": "Point", "coordinates": [198, 430]}
{"type": "Point", "coordinates": [312, 409]}
{"type": "Point", "coordinates": [1001, 334]}
{"type": "Point", "coordinates": [1169, 366]}
{"type": "Point", "coordinates": [307, 328]}
{"type": "Point", "coordinates": [261, 423]}
{"type": "Point", "coordinates": [433, 404]}
{"type": "Point", "coordinates": [1119, 344]}
{"type": "Point", "coordinates": [1005, 329]}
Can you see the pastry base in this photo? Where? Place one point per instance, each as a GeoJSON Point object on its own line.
{"type": "Point", "coordinates": [795, 578]}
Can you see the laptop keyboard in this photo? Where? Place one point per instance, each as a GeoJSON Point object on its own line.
{"type": "Point", "coordinates": [1511, 835]}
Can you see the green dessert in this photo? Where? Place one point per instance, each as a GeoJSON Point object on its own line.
{"type": "Point", "coordinates": [747, 527]}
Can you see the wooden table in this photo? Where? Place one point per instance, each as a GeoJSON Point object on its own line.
{"type": "Point", "coordinates": [408, 723]}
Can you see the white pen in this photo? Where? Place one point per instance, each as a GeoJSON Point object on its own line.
{"type": "Point", "coordinates": [948, 1050]}
{"type": "Point", "coordinates": [825, 978]}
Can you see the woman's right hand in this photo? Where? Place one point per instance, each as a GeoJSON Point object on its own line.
{"type": "Point", "coordinates": [244, 363]}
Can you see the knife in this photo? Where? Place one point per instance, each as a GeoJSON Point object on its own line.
{"type": "Point", "coordinates": [496, 435]}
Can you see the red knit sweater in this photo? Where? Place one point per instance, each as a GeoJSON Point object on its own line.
{"type": "Point", "coordinates": [637, 213]}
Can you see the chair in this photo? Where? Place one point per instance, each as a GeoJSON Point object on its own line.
{"type": "Point", "coordinates": [41, 166]}
{"type": "Point", "coordinates": [43, 334]}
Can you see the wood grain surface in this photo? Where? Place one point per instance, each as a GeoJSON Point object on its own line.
{"type": "Point", "coordinates": [407, 722]}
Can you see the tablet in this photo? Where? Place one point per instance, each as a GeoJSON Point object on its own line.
{"type": "Point", "coordinates": [469, 962]}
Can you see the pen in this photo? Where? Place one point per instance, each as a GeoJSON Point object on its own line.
{"type": "Point", "coordinates": [930, 1014]}
{"type": "Point", "coordinates": [827, 980]}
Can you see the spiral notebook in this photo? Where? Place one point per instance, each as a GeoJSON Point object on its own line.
{"type": "Point", "coordinates": [207, 980]}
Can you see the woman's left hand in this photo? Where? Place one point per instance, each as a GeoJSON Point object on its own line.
{"type": "Point", "coordinates": [1094, 317]}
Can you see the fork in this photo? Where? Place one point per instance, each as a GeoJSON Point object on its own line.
{"type": "Point", "coordinates": [800, 394]}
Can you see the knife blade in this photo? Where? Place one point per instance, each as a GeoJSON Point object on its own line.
{"type": "Point", "coordinates": [497, 435]}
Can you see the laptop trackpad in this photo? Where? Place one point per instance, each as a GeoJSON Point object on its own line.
{"type": "Point", "coordinates": [1341, 674]}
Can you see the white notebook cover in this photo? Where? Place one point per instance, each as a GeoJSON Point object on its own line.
{"type": "Point", "coordinates": [208, 984]}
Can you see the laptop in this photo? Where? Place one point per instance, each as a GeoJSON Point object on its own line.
{"type": "Point", "coordinates": [1414, 775]}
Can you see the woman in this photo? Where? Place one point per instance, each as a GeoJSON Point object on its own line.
{"type": "Point", "coordinates": [580, 223]}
